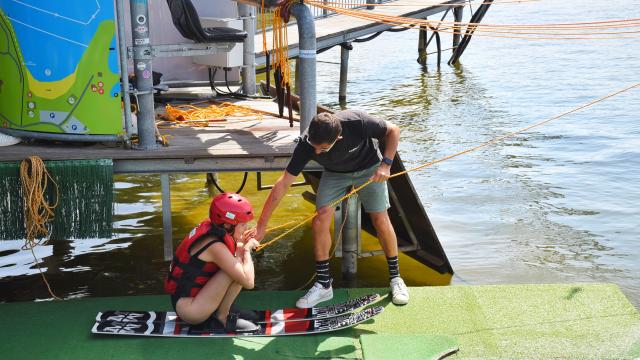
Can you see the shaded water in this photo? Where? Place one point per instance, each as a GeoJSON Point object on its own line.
{"type": "Point", "coordinates": [556, 204]}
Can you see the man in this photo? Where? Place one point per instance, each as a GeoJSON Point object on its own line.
{"type": "Point", "coordinates": [346, 145]}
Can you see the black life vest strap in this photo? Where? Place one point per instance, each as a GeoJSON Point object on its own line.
{"type": "Point", "coordinates": [204, 248]}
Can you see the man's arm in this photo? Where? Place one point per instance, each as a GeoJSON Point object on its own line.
{"type": "Point", "coordinates": [276, 194]}
{"type": "Point", "coordinates": [391, 140]}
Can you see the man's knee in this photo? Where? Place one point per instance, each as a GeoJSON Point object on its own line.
{"type": "Point", "coordinates": [323, 219]}
{"type": "Point", "coordinates": [380, 220]}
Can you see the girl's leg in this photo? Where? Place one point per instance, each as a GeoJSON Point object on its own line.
{"type": "Point", "coordinates": [195, 310]}
{"type": "Point", "coordinates": [223, 309]}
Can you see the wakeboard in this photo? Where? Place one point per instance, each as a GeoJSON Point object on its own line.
{"type": "Point", "coordinates": [172, 328]}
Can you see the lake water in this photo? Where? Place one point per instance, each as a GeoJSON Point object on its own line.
{"type": "Point", "coordinates": [557, 204]}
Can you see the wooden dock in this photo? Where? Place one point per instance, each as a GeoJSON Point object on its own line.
{"type": "Point", "coordinates": [338, 29]}
{"type": "Point", "coordinates": [260, 143]}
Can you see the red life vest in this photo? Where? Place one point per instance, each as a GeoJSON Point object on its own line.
{"type": "Point", "coordinates": [188, 274]}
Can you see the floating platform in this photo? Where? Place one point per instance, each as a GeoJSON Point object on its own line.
{"type": "Point", "coordinates": [568, 321]}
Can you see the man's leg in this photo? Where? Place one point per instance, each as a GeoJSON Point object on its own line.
{"type": "Point", "coordinates": [332, 187]}
{"type": "Point", "coordinates": [321, 228]}
{"type": "Point", "coordinates": [386, 233]}
{"type": "Point", "coordinates": [321, 290]}
{"type": "Point", "coordinates": [389, 243]}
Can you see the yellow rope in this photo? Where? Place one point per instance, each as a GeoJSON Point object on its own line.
{"type": "Point", "coordinates": [484, 144]}
{"type": "Point", "coordinates": [37, 211]}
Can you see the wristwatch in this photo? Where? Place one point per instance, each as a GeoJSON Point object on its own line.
{"type": "Point", "coordinates": [387, 161]}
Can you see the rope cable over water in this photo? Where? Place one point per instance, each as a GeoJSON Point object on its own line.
{"type": "Point", "coordinates": [625, 28]}
{"type": "Point", "coordinates": [448, 157]}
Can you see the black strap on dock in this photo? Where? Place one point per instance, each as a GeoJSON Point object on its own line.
{"type": "Point", "coordinates": [289, 104]}
{"type": "Point", "coordinates": [277, 76]}
{"type": "Point", "coordinates": [267, 60]}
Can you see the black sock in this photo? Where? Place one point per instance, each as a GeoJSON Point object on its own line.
{"type": "Point", "coordinates": [394, 272]}
{"type": "Point", "coordinates": [322, 273]}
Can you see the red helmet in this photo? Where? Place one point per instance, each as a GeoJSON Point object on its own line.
{"type": "Point", "coordinates": [230, 208]}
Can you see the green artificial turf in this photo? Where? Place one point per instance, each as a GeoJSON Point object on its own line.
{"type": "Point", "coordinates": [407, 346]}
{"type": "Point", "coordinates": [570, 321]}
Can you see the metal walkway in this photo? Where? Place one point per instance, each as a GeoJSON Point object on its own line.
{"type": "Point", "coordinates": [335, 30]}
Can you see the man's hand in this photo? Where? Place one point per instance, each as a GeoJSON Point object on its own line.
{"type": "Point", "coordinates": [382, 174]}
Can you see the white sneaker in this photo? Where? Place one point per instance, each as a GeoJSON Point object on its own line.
{"type": "Point", "coordinates": [315, 295]}
{"type": "Point", "coordinates": [399, 291]}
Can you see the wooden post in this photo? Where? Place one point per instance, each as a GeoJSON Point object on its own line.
{"type": "Point", "coordinates": [166, 216]}
{"type": "Point", "coordinates": [422, 45]}
{"type": "Point", "coordinates": [344, 68]}
{"type": "Point", "coordinates": [457, 17]}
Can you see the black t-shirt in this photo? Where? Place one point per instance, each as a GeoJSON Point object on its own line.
{"type": "Point", "coordinates": [357, 150]}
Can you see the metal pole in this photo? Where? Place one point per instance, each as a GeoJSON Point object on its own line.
{"type": "Point", "coordinates": [307, 58]}
{"type": "Point", "coordinates": [124, 72]}
{"type": "Point", "coordinates": [344, 68]}
{"type": "Point", "coordinates": [457, 17]}
{"type": "Point", "coordinates": [247, 12]}
{"type": "Point", "coordinates": [166, 216]}
{"type": "Point", "coordinates": [350, 236]}
{"type": "Point", "coordinates": [144, 79]}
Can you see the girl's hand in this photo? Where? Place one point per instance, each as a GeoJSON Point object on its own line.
{"type": "Point", "coordinates": [251, 244]}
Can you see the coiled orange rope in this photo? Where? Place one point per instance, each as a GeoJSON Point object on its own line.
{"type": "Point", "coordinates": [34, 178]}
{"type": "Point", "coordinates": [191, 115]}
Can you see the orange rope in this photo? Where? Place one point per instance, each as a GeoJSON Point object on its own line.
{"type": "Point", "coordinates": [190, 115]}
{"type": "Point", "coordinates": [588, 30]}
{"type": "Point", "coordinates": [37, 211]}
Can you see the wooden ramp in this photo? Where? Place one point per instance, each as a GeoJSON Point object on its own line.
{"type": "Point", "coordinates": [335, 30]}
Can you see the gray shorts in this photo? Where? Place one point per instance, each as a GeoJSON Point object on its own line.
{"type": "Point", "coordinates": [333, 186]}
